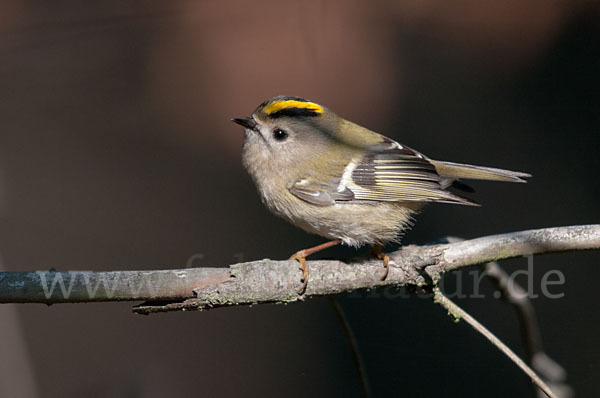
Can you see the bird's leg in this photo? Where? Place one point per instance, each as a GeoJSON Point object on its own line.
{"type": "Point", "coordinates": [301, 257]}
{"type": "Point", "coordinates": [377, 252]}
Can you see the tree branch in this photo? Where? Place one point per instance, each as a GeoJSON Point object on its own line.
{"type": "Point", "coordinates": [459, 313]}
{"type": "Point", "coordinates": [268, 281]}
{"type": "Point", "coordinates": [548, 370]}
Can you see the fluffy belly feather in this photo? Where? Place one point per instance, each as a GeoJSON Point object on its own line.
{"type": "Point", "coordinates": [356, 224]}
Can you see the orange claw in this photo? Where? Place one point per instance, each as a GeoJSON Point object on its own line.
{"type": "Point", "coordinates": [382, 256]}
{"type": "Point", "coordinates": [300, 256]}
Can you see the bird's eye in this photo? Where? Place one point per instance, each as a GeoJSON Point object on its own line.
{"type": "Point", "coordinates": [279, 134]}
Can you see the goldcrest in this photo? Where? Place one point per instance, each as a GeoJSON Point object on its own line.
{"type": "Point", "coordinates": [336, 179]}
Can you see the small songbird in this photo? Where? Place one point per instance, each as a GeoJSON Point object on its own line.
{"type": "Point", "coordinates": [336, 179]}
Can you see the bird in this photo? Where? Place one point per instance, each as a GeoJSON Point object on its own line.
{"type": "Point", "coordinates": [344, 182]}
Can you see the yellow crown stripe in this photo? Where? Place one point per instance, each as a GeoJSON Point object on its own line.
{"type": "Point", "coordinates": [276, 106]}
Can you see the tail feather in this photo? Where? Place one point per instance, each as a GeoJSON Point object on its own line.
{"type": "Point", "coordinates": [467, 171]}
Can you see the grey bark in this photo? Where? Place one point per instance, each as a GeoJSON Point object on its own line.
{"type": "Point", "coordinates": [268, 281]}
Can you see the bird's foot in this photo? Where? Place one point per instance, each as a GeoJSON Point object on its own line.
{"type": "Point", "coordinates": [377, 252]}
{"type": "Point", "coordinates": [300, 256]}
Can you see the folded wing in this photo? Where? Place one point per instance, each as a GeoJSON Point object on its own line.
{"type": "Point", "coordinates": [387, 172]}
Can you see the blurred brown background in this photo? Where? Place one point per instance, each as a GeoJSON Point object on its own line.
{"type": "Point", "coordinates": [116, 152]}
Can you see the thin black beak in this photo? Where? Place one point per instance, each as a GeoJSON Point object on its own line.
{"type": "Point", "coordinates": [247, 122]}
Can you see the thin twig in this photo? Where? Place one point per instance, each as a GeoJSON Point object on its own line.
{"type": "Point", "coordinates": [548, 369]}
{"type": "Point", "coordinates": [268, 281]}
{"type": "Point", "coordinates": [358, 361]}
{"type": "Point", "coordinates": [459, 313]}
